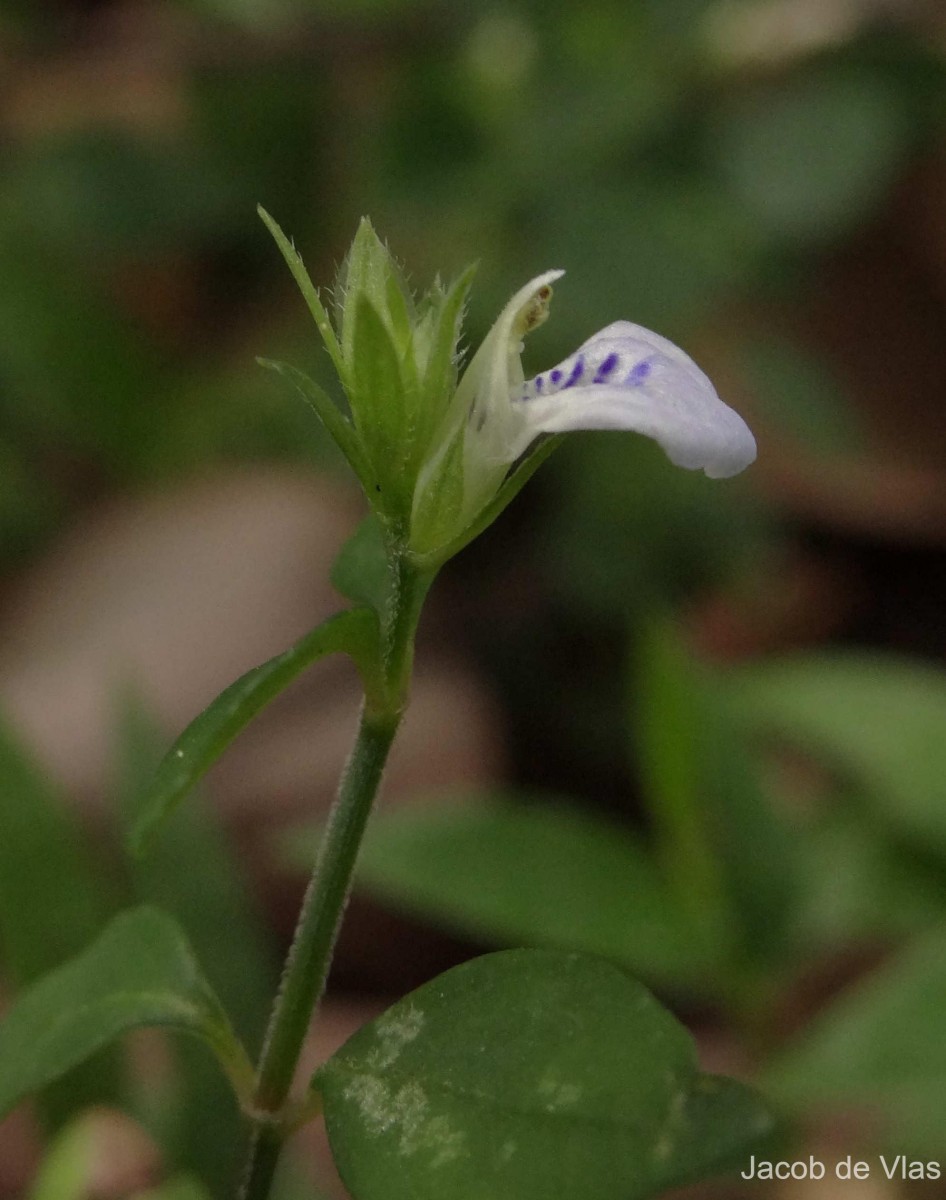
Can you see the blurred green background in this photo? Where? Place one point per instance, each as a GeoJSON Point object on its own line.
{"type": "Point", "coordinates": [698, 727]}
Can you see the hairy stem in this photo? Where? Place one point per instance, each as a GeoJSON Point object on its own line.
{"type": "Point", "coordinates": [310, 956]}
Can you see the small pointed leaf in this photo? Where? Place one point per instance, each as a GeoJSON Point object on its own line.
{"type": "Point", "coordinates": [309, 292]}
{"type": "Point", "coordinates": [328, 413]}
{"type": "Point", "coordinates": [361, 570]}
{"type": "Point", "coordinates": [354, 632]}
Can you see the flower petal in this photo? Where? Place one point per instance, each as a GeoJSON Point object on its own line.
{"type": "Point", "coordinates": [495, 371]}
{"type": "Point", "coordinates": [626, 377]}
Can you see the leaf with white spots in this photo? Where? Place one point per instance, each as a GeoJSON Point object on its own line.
{"type": "Point", "coordinates": [530, 1075]}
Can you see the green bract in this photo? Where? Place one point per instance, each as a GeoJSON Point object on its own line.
{"type": "Point", "coordinates": [396, 358]}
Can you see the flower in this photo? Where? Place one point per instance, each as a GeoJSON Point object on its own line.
{"type": "Point", "coordinates": [623, 377]}
{"type": "Point", "coordinates": [439, 460]}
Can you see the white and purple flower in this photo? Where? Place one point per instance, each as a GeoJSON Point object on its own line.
{"type": "Point", "coordinates": [624, 377]}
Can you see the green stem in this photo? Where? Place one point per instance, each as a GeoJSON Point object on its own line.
{"type": "Point", "coordinates": [310, 955]}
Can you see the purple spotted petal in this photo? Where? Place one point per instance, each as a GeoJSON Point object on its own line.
{"type": "Point", "coordinates": [626, 377]}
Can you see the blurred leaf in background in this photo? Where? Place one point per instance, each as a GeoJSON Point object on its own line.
{"type": "Point", "coordinates": [192, 873]}
{"type": "Point", "coordinates": [811, 157]}
{"type": "Point", "coordinates": [54, 900]}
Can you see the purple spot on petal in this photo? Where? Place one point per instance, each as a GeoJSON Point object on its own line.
{"type": "Point", "coordinates": [640, 373]}
{"type": "Point", "coordinates": [539, 381]}
{"type": "Point", "coordinates": [577, 371]}
{"type": "Point", "coordinates": [606, 368]}
{"type": "Point", "coordinates": [556, 375]}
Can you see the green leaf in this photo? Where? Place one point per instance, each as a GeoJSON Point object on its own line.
{"type": "Point", "coordinates": [328, 413]}
{"type": "Point", "coordinates": [668, 726]}
{"type": "Point", "coordinates": [354, 632]}
{"type": "Point", "coordinates": [881, 1048]}
{"type": "Point", "coordinates": [192, 874]}
{"type": "Point", "coordinates": [52, 903]}
{"type": "Point", "coordinates": [524, 1075]}
{"type": "Point", "coordinates": [309, 292]}
{"type": "Point", "coordinates": [876, 718]}
{"type": "Point", "coordinates": [139, 971]}
{"type": "Point", "coordinates": [51, 899]}
{"type": "Point", "coordinates": [860, 885]}
{"type": "Point", "coordinates": [361, 572]}
{"type": "Point", "coordinates": [813, 155]}
{"type": "Point", "coordinates": [731, 859]}
{"type": "Point", "coordinates": [541, 874]}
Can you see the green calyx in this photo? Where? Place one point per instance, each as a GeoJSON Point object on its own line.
{"type": "Point", "coordinates": [396, 358]}
{"type": "Point", "coordinates": [404, 429]}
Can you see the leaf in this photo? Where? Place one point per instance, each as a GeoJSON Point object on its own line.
{"type": "Point", "coordinates": [813, 157]}
{"type": "Point", "coordinates": [192, 874]}
{"type": "Point", "coordinates": [876, 718]}
{"type": "Point", "coordinates": [195, 877]}
{"type": "Point", "coordinates": [52, 903]}
{"type": "Point", "coordinates": [360, 572]}
{"type": "Point", "coordinates": [204, 740]}
{"type": "Point", "coordinates": [51, 899]}
{"type": "Point", "coordinates": [668, 724]}
{"type": "Point", "coordinates": [860, 885]}
{"type": "Point", "coordinates": [880, 1047]}
{"type": "Point", "coordinates": [541, 874]}
{"type": "Point", "coordinates": [328, 413]}
{"type": "Point", "coordinates": [731, 859]}
{"type": "Point", "coordinates": [139, 971]}
{"type": "Point", "coordinates": [528, 1074]}
{"type": "Point", "coordinates": [309, 292]}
